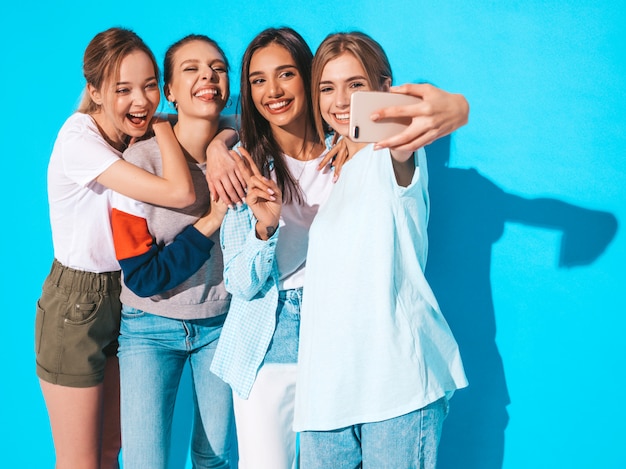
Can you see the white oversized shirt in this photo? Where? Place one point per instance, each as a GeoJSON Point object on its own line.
{"type": "Point", "coordinates": [373, 342]}
{"type": "Point", "coordinates": [80, 207]}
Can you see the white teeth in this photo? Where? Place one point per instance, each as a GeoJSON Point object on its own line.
{"type": "Point", "coordinates": [139, 115]}
{"type": "Point", "coordinates": [342, 116]}
{"type": "Point", "coordinates": [206, 91]}
{"type": "Point", "coordinates": [276, 106]}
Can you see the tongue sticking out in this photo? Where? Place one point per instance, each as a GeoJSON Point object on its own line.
{"type": "Point", "coordinates": [136, 120]}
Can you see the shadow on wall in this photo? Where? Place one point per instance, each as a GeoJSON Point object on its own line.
{"type": "Point", "coordinates": [468, 213]}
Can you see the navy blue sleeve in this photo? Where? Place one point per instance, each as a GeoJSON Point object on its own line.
{"type": "Point", "coordinates": [162, 268]}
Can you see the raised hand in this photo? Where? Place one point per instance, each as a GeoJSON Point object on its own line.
{"type": "Point", "coordinates": [263, 195]}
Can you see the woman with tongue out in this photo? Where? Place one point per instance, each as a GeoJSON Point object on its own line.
{"type": "Point", "coordinates": [78, 313]}
{"type": "Point", "coordinates": [173, 297]}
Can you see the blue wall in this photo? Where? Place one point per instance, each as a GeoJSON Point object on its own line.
{"type": "Point", "coordinates": [528, 200]}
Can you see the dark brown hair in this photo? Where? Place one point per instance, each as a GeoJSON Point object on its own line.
{"type": "Point", "coordinates": [256, 133]}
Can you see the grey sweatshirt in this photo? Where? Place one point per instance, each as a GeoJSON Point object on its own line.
{"type": "Point", "coordinates": [203, 294]}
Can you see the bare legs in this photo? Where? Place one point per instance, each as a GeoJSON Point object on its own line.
{"type": "Point", "coordinates": [111, 432]}
{"type": "Point", "coordinates": [86, 422]}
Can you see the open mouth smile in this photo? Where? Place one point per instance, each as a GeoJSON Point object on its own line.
{"type": "Point", "coordinates": [137, 118]}
{"type": "Point", "coordinates": [279, 106]}
{"type": "Point", "coordinates": [207, 94]}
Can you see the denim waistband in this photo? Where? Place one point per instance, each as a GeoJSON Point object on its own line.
{"type": "Point", "coordinates": [291, 294]}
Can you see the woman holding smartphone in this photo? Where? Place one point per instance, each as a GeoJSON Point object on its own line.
{"type": "Point", "coordinates": [377, 360]}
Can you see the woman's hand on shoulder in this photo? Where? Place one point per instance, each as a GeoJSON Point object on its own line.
{"type": "Point", "coordinates": [439, 113]}
{"type": "Point", "coordinates": [337, 156]}
{"type": "Point", "coordinates": [222, 174]}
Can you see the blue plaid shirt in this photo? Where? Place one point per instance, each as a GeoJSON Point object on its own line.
{"type": "Point", "coordinates": [251, 276]}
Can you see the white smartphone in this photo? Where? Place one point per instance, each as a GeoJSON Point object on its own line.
{"type": "Point", "coordinates": [362, 106]}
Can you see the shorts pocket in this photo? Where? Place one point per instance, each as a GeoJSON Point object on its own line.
{"type": "Point", "coordinates": [81, 313]}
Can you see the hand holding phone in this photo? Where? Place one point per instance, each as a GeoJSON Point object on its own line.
{"type": "Point", "coordinates": [362, 106]}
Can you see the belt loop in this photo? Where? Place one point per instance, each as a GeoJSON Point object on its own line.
{"type": "Point", "coordinates": [105, 282]}
{"type": "Point", "coordinates": [58, 271]}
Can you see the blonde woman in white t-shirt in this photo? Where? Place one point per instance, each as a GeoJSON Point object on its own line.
{"type": "Point", "coordinates": [78, 314]}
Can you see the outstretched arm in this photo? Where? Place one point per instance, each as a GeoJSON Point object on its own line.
{"type": "Point", "coordinates": [439, 113]}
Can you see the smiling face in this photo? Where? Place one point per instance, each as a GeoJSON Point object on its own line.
{"type": "Point", "coordinates": [340, 77]}
{"type": "Point", "coordinates": [127, 104]}
{"type": "Point", "coordinates": [276, 86]}
{"type": "Point", "coordinates": [199, 81]}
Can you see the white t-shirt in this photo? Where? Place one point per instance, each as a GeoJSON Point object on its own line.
{"type": "Point", "coordinates": [80, 207]}
{"type": "Point", "coordinates": [296, 219]}
{"type": "Point", "coordinates": [373, 342]}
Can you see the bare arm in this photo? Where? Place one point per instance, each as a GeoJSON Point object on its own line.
{"type": "Point", "coordinates": [403, 166]}
{"type": "Point", "coordinates": [173, 189]}
{"type": "Point", "coordinates": [438, 114]}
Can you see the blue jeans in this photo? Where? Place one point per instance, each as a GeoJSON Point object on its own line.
{"type": "Point", "coordinates": [152, 353]}
{"type": "Point", "coordinates": [283, 347]}
{"type": "Point", "coordinates": [406, 442]}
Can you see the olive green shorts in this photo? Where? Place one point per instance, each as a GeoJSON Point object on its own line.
{"type": "Point", "coordinates": [77, 325]}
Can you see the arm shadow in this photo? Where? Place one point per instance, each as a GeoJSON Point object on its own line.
{"type": "Point", "coordinates": [468, 214]}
